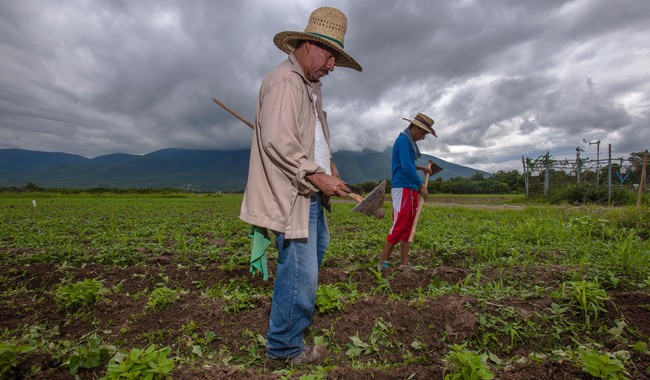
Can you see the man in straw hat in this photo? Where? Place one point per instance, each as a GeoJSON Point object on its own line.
{"type": "Point", "coordinates": [406, 184]}
{"type": "Point", "coordinates": [291, 171]}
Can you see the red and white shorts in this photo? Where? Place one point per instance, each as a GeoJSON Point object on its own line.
{"type": "Point", "coordinates": [405, 205]}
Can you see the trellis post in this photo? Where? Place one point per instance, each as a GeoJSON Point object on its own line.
{"type": "Point", "coordinates": [547, 174]}
{"type": "Point", "coordinates": [523, 162]}
{"type": "Point", "coordinates": [642, 180]}
{"type": "Point", "coordinates": [609, 174]}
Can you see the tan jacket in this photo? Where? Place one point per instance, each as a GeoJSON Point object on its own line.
{"type": "Point", "coordinates": [277, 195]}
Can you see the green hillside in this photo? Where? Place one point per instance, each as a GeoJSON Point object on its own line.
{"type": "Point", "coordinates": [196, 170]}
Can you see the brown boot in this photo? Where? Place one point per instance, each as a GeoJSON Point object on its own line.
{"type": "Point", "coordinates": [311, 355]}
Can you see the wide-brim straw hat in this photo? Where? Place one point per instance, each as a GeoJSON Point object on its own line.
{"type": "Point", "coordinates": [424, 122]}
{"type": "Point", "coordinates": [326, 26]}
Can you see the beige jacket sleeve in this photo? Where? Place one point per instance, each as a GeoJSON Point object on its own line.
{"type": "Point", "coordinates": [286, 129]}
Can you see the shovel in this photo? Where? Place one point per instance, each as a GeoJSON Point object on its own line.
{"type": "Point", "coordinates": [370, 205]}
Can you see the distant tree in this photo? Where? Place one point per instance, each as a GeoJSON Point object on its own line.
{"type": "Point", "coordinates": [368, 186]}
{"type": "Point", "coordinates": [636, 159]}
{"type": "Point", "coordinates": [477, 176]}
{"type": "Point", "coordinates": [476, 184]}
{"type": "Point", "coordinates": [513, 179]}
{"type": "Point", "coordinates": [435, 186]}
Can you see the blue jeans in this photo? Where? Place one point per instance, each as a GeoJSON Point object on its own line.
{"type": "Point", "coordinates": [296, 281]}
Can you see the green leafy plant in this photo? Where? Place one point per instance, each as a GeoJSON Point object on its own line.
{"type": "Point", "coordinates": [378, 338]}
{"type": "Point", "coordinates": [503, 261]}
{"type": "Point", "coordinates": [588, 296]}
{"type": "Point", "coordinates": [90, 355]}
{"type": "Point", "coordinates": [328, 297]}
{"type": "Point", "coordinates": [617, 331]}
{"type": "Point", "coordinates": [237, 294]}
{"type": "Point", "coordinates": [162, 298]}
{"type": "Point", "coordinates": [465, 364]}
{"type": "Point", "coordinates": [11, 355]}
{"type": "Point", "coordinates": [626, 255]}
{"type": "Point", "coordinates": [383, 284]}
{"type": "Point", "coordinates": [419, 298]}
{"type": "Point", "coordinates": [602, 365]}
{"type": "Point", "coordinates": [254, 351]}
{"type": "Point", "coordinates": [75, 295]}
{"type": "Point", "coordinates": [317, 373]}
{"type": "Point", "coordinates": [150, 363]}
{"type": "Point", "coordinates": [196, 343]}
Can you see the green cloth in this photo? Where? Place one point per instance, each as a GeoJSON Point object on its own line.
{"type": "Point", "coordinates": [260, 241]}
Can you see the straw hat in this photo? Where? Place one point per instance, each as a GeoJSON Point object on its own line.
{"type": "Point", "coordinates": [424, 122]}
{"type": "Point", "coordinates": [326, 26]}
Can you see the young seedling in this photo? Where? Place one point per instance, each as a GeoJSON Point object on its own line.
{"type": "Point", "coordinates": [75, 295]}
{"type": "Point", "coordinates": [150, 363]}
{"type": "Point", "coordinates": [162, 298]}
{"type": "Point", "coordinates": [328, 297]}
{"type": "Point", "coordinates": [465, 364]}
{"type": "Point", "coordinates": [602, 365]}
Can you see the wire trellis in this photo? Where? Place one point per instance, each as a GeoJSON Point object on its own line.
{"type": "Point", "coordinates": [613, 172]}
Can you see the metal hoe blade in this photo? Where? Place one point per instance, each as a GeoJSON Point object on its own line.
{"type": "Point", "coordinates": [372, 204]}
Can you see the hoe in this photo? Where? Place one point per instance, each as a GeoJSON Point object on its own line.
{"type": "Point", "coordinates": [370, 205]}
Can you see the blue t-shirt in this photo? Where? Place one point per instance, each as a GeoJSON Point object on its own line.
{"type": "Point", "coordinates": [405, 172]}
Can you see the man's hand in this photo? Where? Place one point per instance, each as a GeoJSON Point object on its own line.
{"type": "Point", "coordinates": [328, 184]}
{"type": "Point", "coordinates": [425, 170]}
{"type": "Point", "coordinates": [423, 191]}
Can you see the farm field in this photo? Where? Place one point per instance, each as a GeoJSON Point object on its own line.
{"type": "Point", "coordinates": [113, 286]}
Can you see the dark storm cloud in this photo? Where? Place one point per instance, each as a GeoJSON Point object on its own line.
{"type": "Point", "coordinates": [501, 78]}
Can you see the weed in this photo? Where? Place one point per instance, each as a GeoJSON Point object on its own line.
{"type": "Point", "coordinates": [378, 339]}
{"type": "Point", "coordinates": [328, 297]}
{"type": "Point", "coordinates": [349, 290]}
{"type": "Point", "coordinates": [383, 285]}
{"type": "Point", "coordinates": [75, 295]}
{"type": "Point", "coordinates": [465, 364]}
{"type": "Point", "coordinates": [617, 331]}
{"type": "Point", "coordinates": [237, 294]}
{"type": "Point", "coordinates": [602, 366]}
{"type": "Point", "coordinates": [90, 355]}
{"type": "Point", "coordinates": [324, 337]}
{"type": "Point", "coordinates": [318, 373]}
{"type": "Point", "coordinates": [438, 287]}
{"type": "Point", "coordinates": [197, 344]}
{"type": "Point", "coordinates": [162, 298]}
{"type": "Point", "coordinates": [419, 298]}
{"type": "Point", "coordinates": [627, 257]}
{"type": "Point", "coordinates": [514, 256]}
{"type": "Point", "coordinates": [12, 354]}
{"type": "Point", "coordinates": [588, 296]}
{"type": "Point", "coordinates": [609, 280]}
{"type": "Point", "coordinates": [254, 350]}
{"type": "Point", "coordinates": [149, 363]}
{"type": "Point", "coordinates": [493, 327]}
{"type": "Point", "coordinates": [641, 347]}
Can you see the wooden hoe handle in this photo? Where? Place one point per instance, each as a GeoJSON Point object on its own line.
{"type": "Point", "coordinates": [356, 197]}
{"type": "Point", "coordinates": [420, 204]}
{"type": "Point", "coordinates": [234, 113]}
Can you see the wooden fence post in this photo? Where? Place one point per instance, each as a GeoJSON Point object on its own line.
{"type": "Point", "coordinates": [642, 180]}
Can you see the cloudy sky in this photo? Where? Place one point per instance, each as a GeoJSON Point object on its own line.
{"type": "Point", "coordinates": [502, 78]}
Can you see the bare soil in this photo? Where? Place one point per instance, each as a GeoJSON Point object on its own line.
{"type": "Point", "coordinates": [436, 323]}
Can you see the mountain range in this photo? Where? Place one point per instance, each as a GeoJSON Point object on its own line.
{"type": "Point", "coordinates": [187, 169]}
